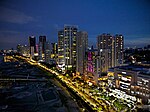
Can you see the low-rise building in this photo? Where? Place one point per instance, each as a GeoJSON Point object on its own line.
{"type": "Point", "coordinates": [133, 80]}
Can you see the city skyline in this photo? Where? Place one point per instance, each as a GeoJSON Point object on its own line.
{"type": "Point", "coordinates": [21, 19]}
{"type": "Point", "coordinates": [83, 55]}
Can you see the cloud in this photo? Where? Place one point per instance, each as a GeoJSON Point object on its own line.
{"type": "Point", "coordinates": [14, 16]}
{"type": "Point", "coordinates": [8, 32]}
{"type": "Point", "coordinates": [10, 38]}
{"type": "Point", "coordinates": [137, 42]}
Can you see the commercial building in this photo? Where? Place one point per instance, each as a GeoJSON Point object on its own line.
{"type": "Point", "coordinates": [132, 80]}
{"type": "Point", "coordinates": [40, 51]}
{"type": "Point", "coordinates": [42, 39]}
{"type": "Point", "coordinates": [81, 51]}
{"type": "Point", "coordinates": [41, 48]}
{"type": "Point", "coordinates": [47, 52]}
{"type": "Point", "coordinates": [32, 45]}
{"type": "Point", "coordinates": [91, 75]}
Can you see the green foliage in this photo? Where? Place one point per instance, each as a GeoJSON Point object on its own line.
{"type": "Point", "coordinates": [119, 105]}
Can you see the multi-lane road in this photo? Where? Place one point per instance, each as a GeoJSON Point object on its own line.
{"type": "Point", "coordinates": [95, 103]}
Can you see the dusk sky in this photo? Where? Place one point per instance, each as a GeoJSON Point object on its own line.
{"type": "Point", "coordinates": [20, 19]}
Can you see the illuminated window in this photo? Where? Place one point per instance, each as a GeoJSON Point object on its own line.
{"type": "Point", "coordinates": [67, 57]}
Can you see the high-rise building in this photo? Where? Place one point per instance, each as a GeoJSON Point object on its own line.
{"type": "Point", "coordinates": [81, 50]}
{"type": "Point", "coordinates": [110, 51]}
{"type": "Point", "coordinates": [118, 50]}
{"type": "Point", "coordinates": [40, 51]}
{"type": "Point", "coordinates": [32, 45]}
{"type": "Point", "coordinates": [42, 39]}
{"type": "Point", "coordinates": [47, 52]}
{"type": "Point", "coordinates": [54, 50]}
{"type": "Point", "coordinates": [70, 45]}
{"type": "Point", "coordinates": [37, 48]}
{"type": "Point", "coordinates": [91, 68]}
{"type": "Point", "coordinates": [67, 46]}
{"type": "Point", "coordinates": [61, 57]}
{"type": "Point", "coordinates": [105, 51]}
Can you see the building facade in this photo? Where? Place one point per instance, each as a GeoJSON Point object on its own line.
{"type": "Point", "coordinates": [131, 80]}
{"type": "Point", "coordinates": [32, 45]}
{"type": "Point", "coordinates": [42, 39]}
{"type": "Point", "coordinates": [40, 51]}
{"type": "Point", "coordinates": [105, 51]}
{"type": "Point", "coordinates": [81, 51]}
{"type": "Point", "coordinates": [118, 50]}
{"type": "Point", "coordinates": [67, 47]}
{"type": "Point", "coordinates": [54, 51]}
{"type": "Point", "coordinates": [92, 66]}
{"type": "Point", "coordinates": [47, 53]}
{"type": "Point", "coordinates": [110, 51]}
{"type": "Point", "coordinates": [61, 57]}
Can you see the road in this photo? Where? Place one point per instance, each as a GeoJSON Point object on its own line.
{"type": "Point", "coordinates": [71, 104]}
{"type": "Point", "coordinates": [98, 105]}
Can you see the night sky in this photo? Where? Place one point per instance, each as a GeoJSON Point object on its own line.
{"type": "Point", "coordinates": [20, 19]}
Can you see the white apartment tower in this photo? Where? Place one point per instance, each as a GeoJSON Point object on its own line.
{"type": "Point", "coordinates": [67, 47]}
